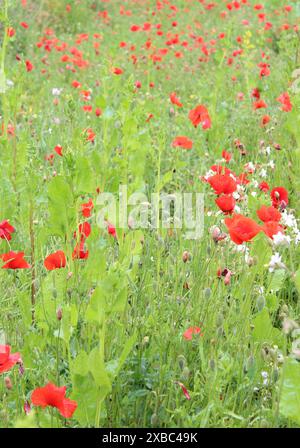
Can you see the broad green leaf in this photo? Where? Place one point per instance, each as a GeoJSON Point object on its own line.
{"type": "Point", "coordinates": [289, 404]}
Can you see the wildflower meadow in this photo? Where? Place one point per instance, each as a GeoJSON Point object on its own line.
{"type": "Point", "coordinates": [149, 214]}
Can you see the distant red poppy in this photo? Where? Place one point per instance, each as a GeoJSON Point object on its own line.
{"type": "Point", "coordinates": [117, 71]}
{"type": "Point", "coordinates": [263, 186]}
{"type": "Point", "coordinates": [51, 395]}
{"type": "Point", "coordinates": [222, 183]}
{"type": "Point", "coordinates": [182, 142]}
{"type": "Point", "coordinates": [58, 150]}
{"type": "Point", "coordinates": [87, 208]}
{"type": "Point", "coordinates": [241, 228]}
{"type": "Point", "coordinates": [226, 203]}
{"type": "Point", "coordinates": [259, 104]}
{"type": "Point", "coordinates": [175, 100]}
{"type": "Point", "coordinates": [7, 359]}
{"type": "Point", "coordinates": [29, 66]}
{"type": "Point", "coordinates": [280, 197]}
{"type": "Point", "coordinates": [266, 214]}
{"type": "Point", "coordinates": [188, 334]}
{"type": "Point", "coordinates": [284, 99]}
{"type": "Point", "coordinates": [6, 230]}
{"type": "Point", "coordinates": [14, 260]}
{"type": "Point", "coordinates": [200, 115]}
{"type": "Point", "coordinates": [80, 252]}
{"type": "Point", "coordinates": [56, 260]}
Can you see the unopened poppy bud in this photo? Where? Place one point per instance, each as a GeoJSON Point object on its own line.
{"type": "Point", "coordinates": [181, 361]}
{"type": "Point", "coordinates": [276, 374]}
{"type": "Point", "coordinates": [220, 320]}
{"type": "Point", "coordinates": [260, 303]}
{"type": "Point", "coordinates": [186, 256]}
{"type": "Point", "coordinates": [146, 340]}
{"type": "Point", "coordinates": [59, 314]}
{"type": "Point", "coordinates": [250, 363]}
{"type": "Point", "coordinates": [212, 364]}
{"type": "Point", "coordinates": [227, 278]}
{"type": "Point", "coordinates": [69, 275]}
{"type": "Point", "coordinates": [27, 407]}
{"type": "Point", "coordinates": [277, 147]}
{"type": "Point", "coordinates": [252, 261]}
{"type": "Point", "coordinates": [207, 293]}
{"type": "Point", "coordinates": [185, 373]}
{"type": "Point", "coordinates": [171, 111]}
{"type": "Point", "coordinates": [8, 383]}
{"type": "Point", "coordinates": [154, 420]}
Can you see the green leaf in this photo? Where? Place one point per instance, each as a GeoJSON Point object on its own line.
{"type": "Point", "coordinates": [61, 211]}
{"type": "Point", "coordinates": [289, 404]}
{"type": "Point", "coordinates": [277, 279]}
{"type": "Point", "coordinates": [97, 369]}
{"type": "Point", "coordinates": [264, 330]}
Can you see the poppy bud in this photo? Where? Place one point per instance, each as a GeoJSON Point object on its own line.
{"type": "Point", "coordinates": [212, 364]}
{"type": "Point", "coordinates": [69, 275]}
{"type": "Point", "coordinates": [146, 340]}
{"type": "Point", "coordinates": [277, 147]}
{"type": "Point", "coordinates": [220, 320]}
{"type": "Point", "coordinates": [186, 256]}
{"type": "Point", "coordinates": [260, 303]}
{"type": "Point", "coordinates": [185, 373]}
{"type": "Point", "coordinates": [8, 383]}
{"type": "Point", "coordinates": [181, 361]}
{"type": "Point", "coordinates": [186, 285]}
{"type": "Point", "coordinates": [154, 420]}
{"type": "Point", "coordinates": [207, 293]}
{"type": "Point", "coordinates": [59, 314]}
{"type": "Point", "coordinates": [171, 111]}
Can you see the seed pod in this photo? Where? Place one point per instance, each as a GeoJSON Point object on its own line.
{"type": "Point", "coordinates": [186, 256]}
{"type": "Point", "coordinates": [8, 383]}
{"type": "Point", "coordinates": [59, 314]}
{"type": "Point", "coordinates": [207, 293]}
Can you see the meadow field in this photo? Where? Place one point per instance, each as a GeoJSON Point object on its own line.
{"type": "Point", "coordinates": [149, 214]}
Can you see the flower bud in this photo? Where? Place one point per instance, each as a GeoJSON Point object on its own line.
{"type": "Point", "coordinates": [8, 383]}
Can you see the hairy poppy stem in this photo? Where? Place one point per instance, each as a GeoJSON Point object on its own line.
{"type": "Point", "coordinates": [33, 291]}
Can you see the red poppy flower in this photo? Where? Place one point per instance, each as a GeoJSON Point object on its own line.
{"type": "Point", "coordinates": [84, 231]}
{"type": "Point", "coordinates": [29, 66]}
{"type": "Point", "coordinates": [263, 186]}
{"type": "Point", "coordinates": [14, 260]}
{"type": "Point", "coordinates": [222, 183]}
{"type": "Point", "coordinates": [111, 230]}
{"type": "Point", "coordinates": [188, 334]}
{"type": "Point", "coordinates": [51, 395]}
{"type": "Point", "coordinates": [7, 359]}
{"type": "Point", "coordinates": [260, 104]}
{"type": "Point", "coordinates": [175, 100]}
{"type": "Point", "coordinates": [87, 208]}
{"type": "Point", "coordinates": [226, 155]}
{"type": "Point", "coordinates": [267, 214]}
{"type": "Point", "coordinates": [271, 228]}
{"type": "Point", "coordinates": [183, 142]}
{"type": "Point", "coordinates": [284, 99]}
{"type": "Point", "coordinates": [280, 197]}
{"type": "Point", "coordinates": [58, 150]}
{"type": "Point", "coordinates": [56, 260]}
{"type": "Point", "coordinates": [117, 71]}
{"type": "Point", "coordinates": [241, 228]}
{"type": "Point", "coordinates": [200, 115]}
{"type": "Point", "coordinates": [265, 120]}
{"type": "Point", "coordinates": [79, 252]}
{"type": "Point", "coordinates": [5, 230]}
{"type": "Point", "coordinates": [226, 203]}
